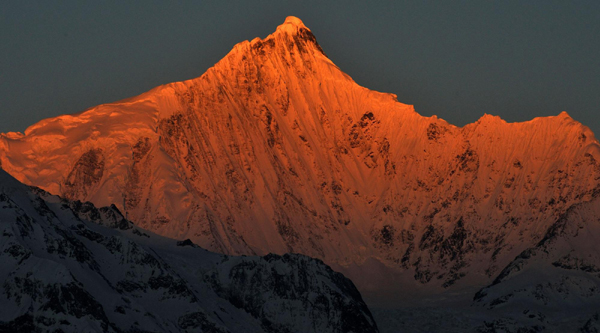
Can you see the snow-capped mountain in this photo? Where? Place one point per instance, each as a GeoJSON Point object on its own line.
{"type": "Point", "coordinates": [275, 149]}
{"type": "Point", "coordinates": [71, 267]}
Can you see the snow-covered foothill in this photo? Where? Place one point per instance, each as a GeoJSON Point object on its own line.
{"type": "Point", "coordinates": [71, 267]}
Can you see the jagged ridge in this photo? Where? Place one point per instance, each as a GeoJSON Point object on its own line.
{"type": "Point", "coordinates": [71, 267]}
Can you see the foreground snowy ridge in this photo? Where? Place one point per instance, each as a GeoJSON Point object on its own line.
{"type": "Point", "coordinates": [72, 267]}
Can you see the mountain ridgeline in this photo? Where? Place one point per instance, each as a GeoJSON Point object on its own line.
{"type": "Point", "coordinates": [68, 266]}
{"type": "Point", "coordinates": [275, 149]}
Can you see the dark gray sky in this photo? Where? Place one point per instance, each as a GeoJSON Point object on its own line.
{"type": "Point", "coordinates": [455, 59]}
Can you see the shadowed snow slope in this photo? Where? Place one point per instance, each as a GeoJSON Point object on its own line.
{"type": "Point", "coordinates": [71, 267]}
{"type": "Point", "coordinates": [275, 149]}
{"type": "Point", "coordinates": [554, 285]}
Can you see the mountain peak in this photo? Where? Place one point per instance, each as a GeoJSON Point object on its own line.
{"type": "Point", "coordinates": [489, 118]}
{"type": "Point", "coordinates": [294, 21]}
{"type": "Point", "coordinates": [564, 114]}
{"type": "Point", "coordinates": [291, 32]}
{"type": "Point", "coordinates": [291, 25]}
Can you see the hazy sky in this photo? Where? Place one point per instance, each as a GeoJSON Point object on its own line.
{"type": "Point", "coordinates": [455, 59]}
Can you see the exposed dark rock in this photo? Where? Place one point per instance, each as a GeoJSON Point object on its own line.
{"type": "Point", "coordinates": [86, 172]}
{"type": "Point", "coordinates": [247, 282]}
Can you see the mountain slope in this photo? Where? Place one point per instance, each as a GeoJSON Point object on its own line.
{"type": "Point", "coordinates": [556, 283]}
{"type": "Point", "coordinates": [68, 266]}
{"type": "Point", "coordinates": [275, 149]}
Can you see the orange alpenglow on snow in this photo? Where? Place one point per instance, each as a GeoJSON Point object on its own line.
{"type": "Point", "coordinates": [275, 149]}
